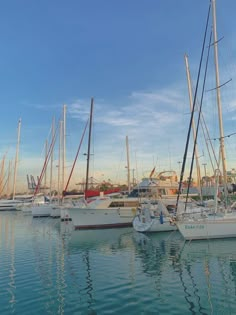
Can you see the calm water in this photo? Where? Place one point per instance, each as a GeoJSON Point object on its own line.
{"type": "Point", "coordinates": [47, 269]}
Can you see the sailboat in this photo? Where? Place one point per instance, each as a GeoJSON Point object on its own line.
{"type": "Point", "coordinates": [154, 217]}
{"type": "Point", "coordinates": [103, 212]}
{"type": "Point", "coordinates": [43, 209]}
{"type": "Point", "coordinates": [216, 222]}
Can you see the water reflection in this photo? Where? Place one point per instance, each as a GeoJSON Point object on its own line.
{"type": "Point", "coordinates": [157, 250]}
{"type": "Point", "coordinates": [7, 265]}
{"type": "Point", "coordinates": [213, 263]}
{"type": "Point", "coordinates": [49, 268]}
{"type": "Point", "coordinates": [191, 289]}
{"type": "Point", "coordinates": [103, 240]}
{"type": "Point", "coordinates": [206, 269]}
{"type": "Point", "coordinates": [89, 288]}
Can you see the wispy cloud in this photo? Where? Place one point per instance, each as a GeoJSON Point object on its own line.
{"type": "Point", "coordinates": [150, 119]}
{"type": "Point", "coordinates": [157, 98]}
{"type": "Point", "coordinates": [138, 109]}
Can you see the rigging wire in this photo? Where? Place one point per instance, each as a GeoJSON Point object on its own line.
{"type": "Point", "coordinates": [227, 136]}
{"type": "Point", "coordinates": [192, 113]}
{"type": "Point", "coordinates": [198, 123]}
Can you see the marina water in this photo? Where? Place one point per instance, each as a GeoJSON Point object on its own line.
{"type": "Point", "coordinates": [47, 268]}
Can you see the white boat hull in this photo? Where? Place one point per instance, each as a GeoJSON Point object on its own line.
{"type": "Point", "coordinates": [212, 227]}
{"type": "Point", "coordinates": [85, 218]}
{"type": "Point", "coordinates": [153, 225]}
{"type": "Point", "coordinates": [6, 205]}
{"type": "Point", "coordinates": [41, 210]}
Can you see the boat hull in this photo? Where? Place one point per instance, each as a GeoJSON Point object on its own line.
{"type": "Point", "coordinates": [41, 210]}
{"type": "Point", "coordinates": [210, 228]}
{"type": "Point", "coordinates": [6, 205]}
{"type": "Point", "coordinates": [85, 218]}
{"type": "Point", "coordinates": [153, 225]}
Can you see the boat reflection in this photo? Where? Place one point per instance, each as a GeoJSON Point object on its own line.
{"type": "Point", "coordinates": [220, 248]}
{"type": "Point", "coordinates": [205, 272]}
{"type": "Point", "coordinates": [104, 240]}
{"type": "Point", "coordinates": [7, 252]}
{"type": "Point", "coordinates": [91, 255]}
{"type": "Point", "coordinates": [156, 249]}
{"type": "Point", "coordinates": [213, 263]}
{"type": "Point", "coordinates": [83, 272]}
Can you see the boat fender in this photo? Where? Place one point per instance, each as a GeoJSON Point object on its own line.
{"type": "Point", "coordinates": [172, 221]}
{"type": "Point", "coordinates": [161, 218]}
{"type": "Point", "coordinates": [133, 210]}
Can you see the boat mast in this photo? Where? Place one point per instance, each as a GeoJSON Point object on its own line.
{"type": "Point", "coordinates": [59, 187]}
{"type": "Point", "coordinates": [222, 144]}
{"type": "Point", "coordinates": [45, 174]}
{"type": "Point", "coordinates": [128, 166]}
{"type": "Point", "coordinates": [16, 159]}
{"type": "Point", "coordinates": [2, 175]}
{"type": "Point", "coordinates": [52, 156]}
{"type": "Point", "coordinates": [64, 147]}
{"type": "Point", "coordinates": [193, 124]}
{"type": "Point", "coordinates": [89, 144]}
{"type": "Point", "coordinates": [8, 177]}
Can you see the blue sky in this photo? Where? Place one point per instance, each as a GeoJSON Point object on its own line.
{"type": "Point", "coordinates": [128, 55]}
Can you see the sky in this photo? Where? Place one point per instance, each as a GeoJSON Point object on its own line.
{"type": "Point", "coordinates": [128, 56]}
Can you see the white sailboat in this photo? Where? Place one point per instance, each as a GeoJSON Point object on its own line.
{"type": "Point", "coordinates": [219, 222]}
{"type": "Point", "coordinates": [43, 207]}
{"type": "Point", "coordinates": [154, 218]}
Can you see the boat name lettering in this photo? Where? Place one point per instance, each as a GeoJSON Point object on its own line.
{"type": "Point", "coordinates": [195, 226]}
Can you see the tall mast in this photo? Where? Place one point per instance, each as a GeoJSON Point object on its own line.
{"type": "Point", "coordinates": [16, 159]}
{"type": "Point", "coordinates": [46, 154]}
{"type": "Point", "coordinates": [128, 166]}
{"type": "Point", "coordinates": [51, 167]}
{"type": "Point", "coordinates": [2, 175]}
{"type": "Point", "coordinates": [8, 177]}
{"type": "Point", "coordinates": [193, 124]}
{"type": "Point", "coordinates": [59, 161]}
{"type": "Point", "coordinates": [64, 146]}
{"type": "Point", "coordinates": [222, 144]}
{"type": "Point", "coordinates": [89, 144]}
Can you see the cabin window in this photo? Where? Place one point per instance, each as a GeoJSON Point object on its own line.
{"type": "Point", "coordinates": [117, 204]}
{"type": "Point", "coordinates": [122, 204]}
